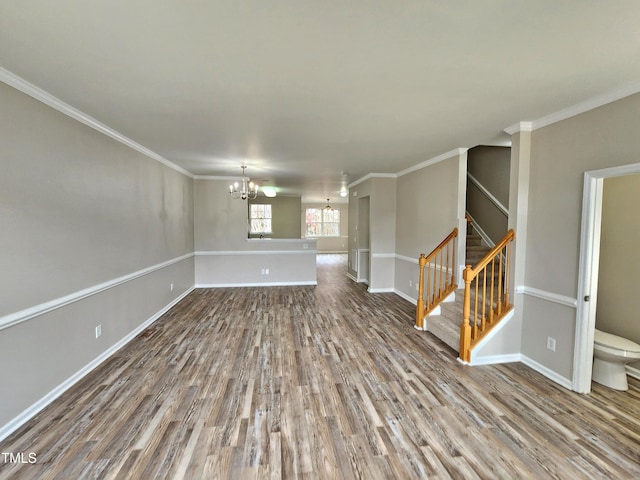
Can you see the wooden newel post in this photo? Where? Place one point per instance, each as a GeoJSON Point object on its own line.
{"type": "Point", "coordinates": [465, 328]}
{"type": "Point", "coordinates": [422, 261]}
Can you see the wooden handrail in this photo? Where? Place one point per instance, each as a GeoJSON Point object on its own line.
{"type": "Point", "coordinates": [442, 282]}
{"type": "Point", "coordinates": [511, 235]}
{"type": "Point", "coordinates": [442, 244]}
{"type": "Point", "coordinates": [488, 310]}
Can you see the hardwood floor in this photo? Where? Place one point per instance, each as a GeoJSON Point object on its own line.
{"type": "Point", "coordinates": [321, 382]}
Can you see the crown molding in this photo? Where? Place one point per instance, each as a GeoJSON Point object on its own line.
{"type": "Point", "coordinates": [37, 93]}
{"type": "Point", "coordinates": [519, 127]}
{"type": "Point", "coordinates": [577, 109]}
{"type": "Point", "coordinates": [590, 104]}
{"type": "Point", "coordinates": [372, 175]}
{"type": "Point", "coordinates": [452, 153]}
{"type": "Point", "coordinates": [419, 166]}
{"type": "Point", "coordinates": [215, 177]}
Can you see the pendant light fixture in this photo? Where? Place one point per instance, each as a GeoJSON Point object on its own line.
{"type": "Point", "coordinates": [245, 189]}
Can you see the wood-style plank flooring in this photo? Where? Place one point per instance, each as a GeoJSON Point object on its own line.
{"type": "Point", "coordinates": [323, 382]}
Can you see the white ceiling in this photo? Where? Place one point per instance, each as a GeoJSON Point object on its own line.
{"type": "Point", "coordinates": [309, 93]}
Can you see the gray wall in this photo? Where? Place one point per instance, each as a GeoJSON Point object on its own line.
{"type": "Point", "coordinates": [381, 192]}
{"type": "Point", "coordinates": [490, 167]}
{"type": "Point", "coordinates": [560, 154]}
{"type": "Point", "coordinates": [79, 211]}
{"type": "Point", "coordinates": [286, 216]}
{"type": "Point", "coordinates": [359, 207]}
{"type": "Point", "coordinates": [382, 239]}
{"type": "Point", "coordinates": [220, 222]}
{"type": "Point", "coordinates": [224, 254]}
{"type": "Point", "coordinates": [427, 207]}
{"type": "Point", "coordinates": [427, 202]}
{"type": "Point", "coordinates": [617, 309]}
{"type": "Point", "coordinates": [359, 228]}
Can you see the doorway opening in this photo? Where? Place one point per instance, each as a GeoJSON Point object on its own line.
{"type": "Point", "coordinates": [590, 235]}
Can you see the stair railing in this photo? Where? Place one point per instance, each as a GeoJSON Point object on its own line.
{"type": "Point", "coordinates": [489, 307]}
{"type": "Point", "coordinates": [440, 278]}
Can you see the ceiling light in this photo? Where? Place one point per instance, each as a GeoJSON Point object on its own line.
{"type": "Point", "coordinates": [269, 191]}
{"type": "Point", "coordinates": [328, 207]}
{"type": "Point", "coordinates": [245, 189]}
{"type": "Point", "coordinates": [343, 192]}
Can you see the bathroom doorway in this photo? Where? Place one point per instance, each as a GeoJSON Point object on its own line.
{"type": "Point", "coordinates": [591, 231]}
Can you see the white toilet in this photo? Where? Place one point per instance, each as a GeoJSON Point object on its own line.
{"type": "Point", "coordinates": [610, 354]}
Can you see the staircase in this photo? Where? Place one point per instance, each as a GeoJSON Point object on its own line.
{"type": "Point", "coordinates": [446, 325]}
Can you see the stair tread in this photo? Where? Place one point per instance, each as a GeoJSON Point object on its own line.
{"type": "Point", "coordinates": [444, 329]}
{"type": "Point", "coordinates": [478, 248]}
{"type": "Point", "coordinates": [474, 240]}
{"type": "Point", "coordinates": [446, 325]}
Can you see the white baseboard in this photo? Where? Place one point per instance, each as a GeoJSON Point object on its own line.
{"type": "Point", "coordinates": [495, 359]}
{"type": "Point", "coordinates": [351, 277]}
{"type": "Point", "coordinates": [381, 290]}
{"type": "Point", "coordinates": [31, 411]}
{"type": "Point", "coordinates": [255, 284]}
{"type": "Point", "coordinates": [550, 374]}
{"type": "Point", "coordinates": [518, 357]}
{"type": "Point", "coordinates": [405, 296]}
{"type": "Point", "coordinates": [632, 371]}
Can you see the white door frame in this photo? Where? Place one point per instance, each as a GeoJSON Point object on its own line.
{"type": "Point", "coordinates": [588, 271]}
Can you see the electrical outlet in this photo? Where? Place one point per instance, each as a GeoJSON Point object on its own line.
{"type": "Point", "coordinates": [98, 331]}
{"type": "Point", "coordinates": [266, 271]}
{"type": "Point", "coordinates": [410, 283]}
{"type": "Point", "coordinates": [551, 344]}
{"type": "Point", "coordinates": [172, 287]}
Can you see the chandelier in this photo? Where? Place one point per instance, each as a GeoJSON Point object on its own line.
{"type": "Point", "coordinates": [328, 208]}
{"type": "Point", "coordinates": [245, 189]}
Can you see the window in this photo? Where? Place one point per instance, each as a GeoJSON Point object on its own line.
{"type": "Point", "coordinates": [322, 222]}
{"type": "Point", "coordinates": [260, 218]}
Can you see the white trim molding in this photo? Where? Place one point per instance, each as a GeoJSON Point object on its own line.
{"type": "Point", "coordinates": [519, 127]}
{"type": "Point", "coordinates": [456, 152]}
{"type": "Point", "coordinates": [548, 296]}
{"type": "Point", "coordinates": [217, 177]}
{"type": "Point", "coordinates": [519, 357]}
{"type": "Point", "coordinates": [483, 235]}
{"type": "Point", "coordinates": [632, 371]}
{"type": "Point", "coordinates": [404, 258]}
{"type": "Point", "coordinates": [214, 253]}
{"type": "Point", "coordinates": [588, 270]}
{"type": "Point", "coordinates": [383, 255]}
{"type": "Point", "coordinates": [254, 284]}
{"type": "Point", "coordinates": [405, 296]}
{"type": "Point", "coordinates": [590, 104]}
{"type": "Point", "coordinates": [380, 290]}
{"type": "Point", "coordinates": [547, 372]}
{"type": "Point", "coordinates": [489, 195]}
{"type": "Point", "coordinates": [432, 161]}
{"type": "Point", "coordinates": [494, 359]}
{"type": "Point", "coordinates": [37, 93]}
{"type": "Point", "coordinates": [46, 307]}
{"type": "Point", "coordinates": [31, 411]}
{"type": "Point", "coordinates": [369, 176]}
{"type": "Point", "coordinates": [577, 109]}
